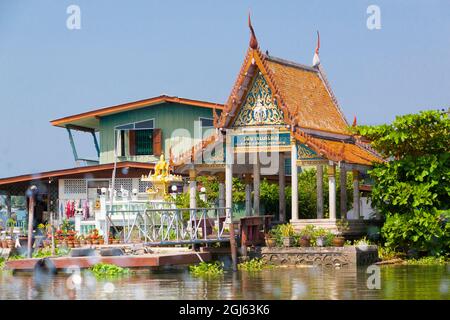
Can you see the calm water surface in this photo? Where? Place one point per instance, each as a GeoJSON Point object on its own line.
{"type": "Point", "coordinates": [397, 282]}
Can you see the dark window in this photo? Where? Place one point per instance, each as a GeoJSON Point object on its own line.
{"type": "Point", "coordinates": [148, 124]}
{"type": "Point", "coordinates": [206, 123]}
{"type": "Point", "coordinates": [144, 142]}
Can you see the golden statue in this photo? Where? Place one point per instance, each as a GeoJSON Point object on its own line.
{"type": "Point", "coordinates": [160, 179]}
{"type": "Point", "coordinates": [161, 168]}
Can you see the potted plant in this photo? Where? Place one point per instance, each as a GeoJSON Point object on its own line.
{"type": "Point", "coordinates": [116, 239]}
{"type": "Point", "coordinates": [271, 238]}
{"type": "Point", "coordinates": [321, 236]}
{"type": "Point", "coordinates": [342, 226]}
{"type": "Point", "coordinates": [82, 240]}
{"type": "Point", "coordinates": [307, 235]}
{"type": "Point", "coordinates": [287, 232]}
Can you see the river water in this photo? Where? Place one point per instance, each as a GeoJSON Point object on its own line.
{"type": "Point", "coordinates": [396, 282]}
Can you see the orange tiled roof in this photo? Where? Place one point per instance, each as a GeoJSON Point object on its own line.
{"type": "Point", "coordinates": [352, 153]}
{"type": "Point", "coordinates": [306, 96]}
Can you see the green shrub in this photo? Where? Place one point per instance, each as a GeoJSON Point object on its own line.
{"type": "Point", "coordinates": [422, 231]}
{"type": "Point", "coordinates": [207, 269]}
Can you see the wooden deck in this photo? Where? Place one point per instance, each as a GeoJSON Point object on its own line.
{"type": "Point", "coordinates": [138, 261]}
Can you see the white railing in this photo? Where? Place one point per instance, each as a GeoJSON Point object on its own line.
{"type": "Point", "coordinates": [172, 225]}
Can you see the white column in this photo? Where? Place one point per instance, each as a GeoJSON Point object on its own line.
{"type": "Point", "coordinates": [281, 187]}
{"type": "Point", "coordinates": [221, 178]}
{"type": "Point", "coordinates": [332, 190]}
{"type": "Point", "coordinates": [356, 206]}
{"type": "Point", "coordinates": [192, 189]}
{"type": "Point", "coordinates": [248, 195]}
{"type": "Point", "coordinates": [256, 184]}
{"type": "Point", "coordinates": [319, 177]}
{"type": "Point", "coordinates": [229, 156]}
{"type": "Point", "coordinates": [343, 191]}
{"type": "Point", "coordinates": [294, 180]}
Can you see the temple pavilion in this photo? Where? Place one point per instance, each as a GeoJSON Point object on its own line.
{"type": "Point", "coordinates": [281, 116]}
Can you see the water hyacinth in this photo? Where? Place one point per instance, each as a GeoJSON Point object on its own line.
{"type": "Point", "coordinates": [108, 270]}
{"type": "Point", "coordinates": [206, 269]}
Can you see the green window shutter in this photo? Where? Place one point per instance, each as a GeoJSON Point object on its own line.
{"type": "Point", "coordinates": [144, 142]}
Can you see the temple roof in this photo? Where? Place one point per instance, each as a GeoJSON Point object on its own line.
{"type": "Point", "coordinates": [307, 96]}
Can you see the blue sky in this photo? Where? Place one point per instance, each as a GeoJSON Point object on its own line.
{"type": "Point", "coordinates": [131, 50]}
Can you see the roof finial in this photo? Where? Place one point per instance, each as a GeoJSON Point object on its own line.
{"type": "Point", "coordinates": [253, 41]}
{"type": "Point", "coordinates": [316, 60]}
{"type": "Point", "coordinates": [354, 121]}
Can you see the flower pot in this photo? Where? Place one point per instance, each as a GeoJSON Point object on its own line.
{"type": "Point", "coordinates": [271, 242]}
{"type": "Point", "coordinates": [320, 241]}
{"type": "Point", "coordinates": [76, 244]}
{"type": "Point", "coordinates": [305, 242]}
{"type": "Point", "coordinates": [95, 241]}
{"type": "Point", "coordinates": [338, 241]}
{"type": "Point", "coordinates": [101, 241]}
{"type": "Point", "coordinates": [288, 241]}
{"type": "Point", "coordinates": [71, 244]}
{"type": "Point", "coordinates": [116, 241]}
{"type": "Point", "coordinates": [82, 242]}
{"type": "Point", "coordinates": [10, 244]}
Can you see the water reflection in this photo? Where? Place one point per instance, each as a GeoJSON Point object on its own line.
{"type": "Point", "coordinates": [397, 282]}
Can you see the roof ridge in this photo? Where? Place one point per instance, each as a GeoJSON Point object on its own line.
{"type": "Point", "coordinates": [290, 63]}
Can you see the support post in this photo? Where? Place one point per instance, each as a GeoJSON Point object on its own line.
{"type": "Point", "coordinates": [332, 190]}
{"type": "Point", "coordinates": [192, 189]}
{"type": "Point", "coordinates": [256, 185]}
{"type": "Point", "coordinates": [319, 182]}
{"type": "Point", "coordinates": [356, 206]}
{"type": "Point", "coordinates": [221, 180]}
{"type": "Point", "coordinates": [294, 180]}
{"type": "Point", "coordinates": [8, 204]}
{"type": "Point", "coordinates": [31, 194]}
{"type": "Point", "coordinates": [343, 191]}
{"type": "Point", "coordinates": [248, 194]}
{"type": "Point", "coordinates": [97, 148]}
{"type": "Point", "coordinates": [72, 144]}
{"type": "Point", "coordinates": [229, 157]}
{"type": "Point", "coordinates": [233, 247]}
{"type": "Point", "coordinates": [281, 189]}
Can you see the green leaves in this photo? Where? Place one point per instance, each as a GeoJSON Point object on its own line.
{"type": "Point", "coordinates": [427, 132]}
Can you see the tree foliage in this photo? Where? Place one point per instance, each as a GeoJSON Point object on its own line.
{"type": "Point", "coordinates": [412, 190]}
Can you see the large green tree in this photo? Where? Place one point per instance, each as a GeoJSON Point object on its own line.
{"type": "Point", "coordinates": [412, 189]}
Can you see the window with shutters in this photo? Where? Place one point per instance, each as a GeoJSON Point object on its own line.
{"type": "Point", "coordinates": [139, 139]}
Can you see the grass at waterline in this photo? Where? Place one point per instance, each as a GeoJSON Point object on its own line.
{"type": "Point", "coordinates": [108, 270]}
{"type": "Point", "coordinates": [428, 261]}
{"type": "Point", "coordinates": [207, 269]}
{"type": "Point", "coordinates": [2, 263]}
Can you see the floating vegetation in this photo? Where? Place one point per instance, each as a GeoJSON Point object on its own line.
{"type": "Point", "coordinates": [427, 261]}
{"type": "Point", "coordinates": [108, 270]}
{"type": "Point", "coordinates": [253, 265]}
{"type": "Point", "coordinates": [47, 252]}
{"type": "Point", "coordinates": [206, 269]}
{"type": "Point", "coordinates": [2, 263]}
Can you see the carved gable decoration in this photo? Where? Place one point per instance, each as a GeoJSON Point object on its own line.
{"type": "Point", "coordinates": [259, 107]}
{"type": "Point", "coordinates": [305, 153]}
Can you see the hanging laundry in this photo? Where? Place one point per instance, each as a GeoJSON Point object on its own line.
{"type": "Point", "coordinates": [86, 210]}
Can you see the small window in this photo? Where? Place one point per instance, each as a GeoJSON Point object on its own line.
{"type": "Point", "coordinates": [148, 124]}
{"type": "Point", "coordinates": [206, 123]}
{"type": "Point", "coordinates": [125, 127]}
